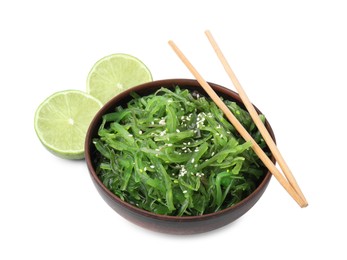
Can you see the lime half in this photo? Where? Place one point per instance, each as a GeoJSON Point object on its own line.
{"type": "Point", "coordinates": [114, 74]}
{"type": "Point", "coordinates": [62, 121]}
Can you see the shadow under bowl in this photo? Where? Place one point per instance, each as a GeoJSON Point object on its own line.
{"type": "Point", "coordinates": [161, 223]}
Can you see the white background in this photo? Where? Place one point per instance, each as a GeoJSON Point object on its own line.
{"type": "Point", "coordinates": [291, 58]}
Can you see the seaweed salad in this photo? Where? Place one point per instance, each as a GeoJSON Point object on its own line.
{"type": "Point", "coordinates": [174, 153]}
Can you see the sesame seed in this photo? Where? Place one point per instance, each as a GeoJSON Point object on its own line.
{"type": "Point", "coordinates": [140, 132]}
{"type": "Point", "coordinates": [152, 166]}
{"type": "Point", "coordinates": [177, 130]}
{"type": "Point", "coordinates": [193, 160]}
{"type": "Point", "coordinates": [169, 144]}
{"type": "Point", "coordinates": [130, 135]}
{"type": "Point", "coordinates": [185, 191]}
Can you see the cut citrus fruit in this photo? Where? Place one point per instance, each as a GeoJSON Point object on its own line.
{"type": "Point", "coordinates": [114, 74]}
{"type": "Point", "coordinates": [62, 121]}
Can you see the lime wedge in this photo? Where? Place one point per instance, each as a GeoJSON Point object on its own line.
{"type": "Point", "coordinates": [114, 74]}
{"type": "Point", "coordinates": [62, 121]}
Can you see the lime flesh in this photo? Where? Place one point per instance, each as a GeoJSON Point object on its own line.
{"type": "Point", "coordinates": [62, 121]}
{"type": "Point", "coordinates": [114, 74]}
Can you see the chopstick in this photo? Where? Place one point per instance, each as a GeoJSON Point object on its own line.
{"type": "Point", "coordinates": [261, 127]}
{"type": "Point", "coordinates": [238, 126]}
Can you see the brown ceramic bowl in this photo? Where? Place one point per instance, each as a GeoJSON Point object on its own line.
{"type": "Point", "coordinates": [163, 223]}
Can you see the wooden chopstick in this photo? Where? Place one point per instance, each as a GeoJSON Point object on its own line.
{"type": "Point", "coordinates": [238, 126]}
{"type": "Point", "coordinates": [261, 127]}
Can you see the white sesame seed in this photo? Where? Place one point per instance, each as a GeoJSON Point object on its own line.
{"type": "Point", "coordinates": [169, 144]}
{"type": "Point", "coordinates": [130, 135]}
{"type": "Point", "coordinates": [193, 160]}
{"type": "Point", "coordinates": [212, 153]}
{"type": "Point", "coordinates": [162, 122]}
{"type": "Point", "coordinates": [177, 130]}
{"type": "Point", "coordinates": [152, 166]}
{"type": "Point", "coordinates": [185, 191]}
{"type": "Point", "coordinates": [140, 132]}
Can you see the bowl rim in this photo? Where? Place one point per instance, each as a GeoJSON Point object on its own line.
{"type": "Point", "coordinates": [174, 81]}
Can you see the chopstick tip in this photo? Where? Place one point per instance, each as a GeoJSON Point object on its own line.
{"type": "Point", "coordinates": [304, 205]}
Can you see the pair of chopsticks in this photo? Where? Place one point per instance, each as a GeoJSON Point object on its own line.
{"type": "Point", "coordinates": [287, 180]}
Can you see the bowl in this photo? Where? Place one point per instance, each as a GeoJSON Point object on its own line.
{"type": "Point", "coordinates": [162, 223]}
